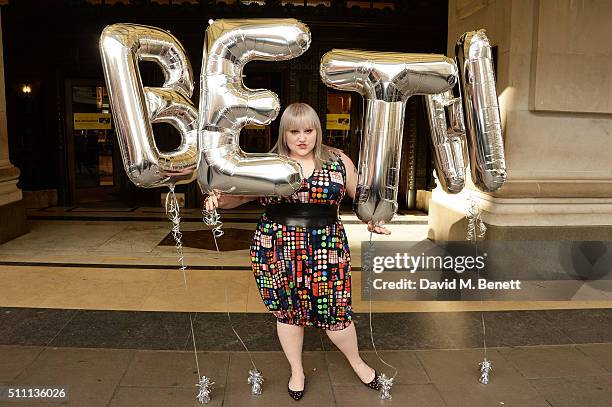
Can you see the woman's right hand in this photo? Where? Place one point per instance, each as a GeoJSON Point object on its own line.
{"type": "Point", "coordinates": [379, 228]}
{"type": "Point", "coordinates": [212, 200]}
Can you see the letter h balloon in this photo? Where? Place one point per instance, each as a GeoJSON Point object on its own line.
{"type": "Point", "coordinates": [209, 150]}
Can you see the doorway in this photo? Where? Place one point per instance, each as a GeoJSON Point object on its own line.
{"type": "Point", "coordinates": [95, 170]}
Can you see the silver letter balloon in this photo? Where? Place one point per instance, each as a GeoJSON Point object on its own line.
{"type": "Point", "coordinates": [386, 80]}
{"type": "Point", "coordinates": [486, 146]}
{"type": "Point", "coordinates": [136, 107]}
{"type": "Point", "coordinates": [226, 106]}
{"type": "Point", "coordinates": [445, 115]}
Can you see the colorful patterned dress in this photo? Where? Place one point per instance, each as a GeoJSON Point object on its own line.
{"type": "Point", "coordinates": [304, 274]}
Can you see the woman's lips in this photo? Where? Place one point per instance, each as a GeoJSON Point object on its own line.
{"type": "Point", "coordinates": [302, 145]}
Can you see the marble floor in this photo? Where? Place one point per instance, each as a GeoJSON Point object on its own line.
{"type": "Point", "coordinates": [120, 265]}
{"type": "Point", "coordinates": [67, 236]}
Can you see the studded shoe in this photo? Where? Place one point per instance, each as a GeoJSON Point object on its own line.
{"type": "Point", "coordinates": [374, 384]}
{"type": "Point", "coordinates": [296, 394]}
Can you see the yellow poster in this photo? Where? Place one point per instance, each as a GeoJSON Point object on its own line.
{"type": "Point", "coordinates": [254, 127]}
{"type": "Point", "coordinates": [341, 121]}
{"type": "Point", "coordinates": [92, 121]}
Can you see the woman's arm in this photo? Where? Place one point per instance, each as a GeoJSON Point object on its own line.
{"type": "Point", "coordinates": [233, 201]}
{"type": "Point", "coordinates": [351, 175]}
{"type": "Point", "coordinates": [224, 201]}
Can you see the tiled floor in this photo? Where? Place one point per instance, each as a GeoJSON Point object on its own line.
{"type": "Point", "coordinates": [562, 376]}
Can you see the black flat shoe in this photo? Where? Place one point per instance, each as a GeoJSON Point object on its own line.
{"type": "Point", "coordinates": [296, 394]}
{"type": "Point", "coordinates": [374, 384]}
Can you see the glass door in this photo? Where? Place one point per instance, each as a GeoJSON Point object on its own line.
{"type": "Point", "coordinates": [94, 161]}
{"type": "Point", "coordinates": [337, 125]}
{"type": "Point", "coordinates": [93, 137]}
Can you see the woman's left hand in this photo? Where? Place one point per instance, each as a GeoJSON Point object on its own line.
{"type": "Point", "coordinates": [378, 228]}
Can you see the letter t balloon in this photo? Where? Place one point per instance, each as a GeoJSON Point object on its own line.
{"type": "Point", "coordinates": [385, 80]}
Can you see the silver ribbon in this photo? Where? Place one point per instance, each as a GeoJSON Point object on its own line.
{"type": "Point", "coordinates": [256, 381]}
{"type": "Point", "coordinates": [173, 213]}
{"type": "Point", "coordinates": [385, 387]}
{"type": "Point", "coordinates": [212, 218]}
{"type": "Point", "coordinates": [485, 368]}
{"type": "Point", "coordinates": [388, 381]}
{"type": "Point", "coordinates": [476, 230]}
{"type": "Point", "coordinates": [205, 387]}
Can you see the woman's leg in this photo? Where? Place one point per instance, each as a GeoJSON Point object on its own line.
{"type": "Point", "coordinates": [292, 338]}
{"type": "Point", "coordinates": [346, 340]}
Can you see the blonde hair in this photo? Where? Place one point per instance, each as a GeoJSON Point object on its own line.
{"type": "Point", "coordinates": [297, 115]}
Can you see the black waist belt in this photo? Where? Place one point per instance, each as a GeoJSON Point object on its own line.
{"type": "Point", "coordinates": [304, 215]}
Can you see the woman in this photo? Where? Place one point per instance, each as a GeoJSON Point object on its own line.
{"type": "Point", "coordinates": [299, 252]}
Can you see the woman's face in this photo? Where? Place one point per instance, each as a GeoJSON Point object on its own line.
{"type": "Point", "coordinates": [301, 139]}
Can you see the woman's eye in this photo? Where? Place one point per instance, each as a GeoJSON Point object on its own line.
{"type": "Point", "coordinates": [308, 130]}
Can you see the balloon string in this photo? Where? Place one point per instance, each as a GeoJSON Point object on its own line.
{"type": "Point", "coordinates": [482, 316]}
{"type": "Point", "coordinates": [212, 218]}
{"type": "Point", "coordinates": [370, 249]}
{"type": "Point", "coordinates": [236, 332]}
{"type": "Point", "coordinates": [476, 229]}
{"type": "Point", "coordinates": [173, 213]}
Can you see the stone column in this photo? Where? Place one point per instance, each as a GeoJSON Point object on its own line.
{"type": "Point", "coordinates": [554, 88]}
{"type": "Point", "coordinates": [12, 210]}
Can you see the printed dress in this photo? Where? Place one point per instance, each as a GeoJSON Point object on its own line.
{"type": "Point", "coordinates": [304, 273]}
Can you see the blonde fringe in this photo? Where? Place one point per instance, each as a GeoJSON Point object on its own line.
{"type": "Point", "coordinates": [303, 113]}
